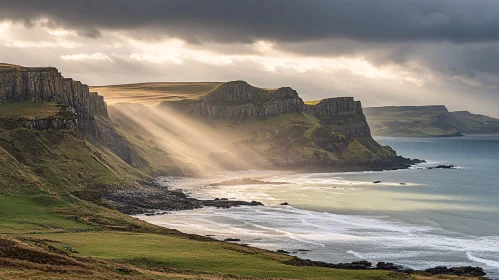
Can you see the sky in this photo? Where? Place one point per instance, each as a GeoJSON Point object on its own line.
{"type": "Point", "coordinates": [382, 52]}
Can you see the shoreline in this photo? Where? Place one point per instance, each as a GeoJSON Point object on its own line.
{"type": "Point", "coordinates": [310, 262]}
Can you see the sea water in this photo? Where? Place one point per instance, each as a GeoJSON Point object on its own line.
{"type": "Point", "coordinates": [416, 217]}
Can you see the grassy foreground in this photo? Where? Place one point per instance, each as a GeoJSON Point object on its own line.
{"type": "Point", "coordinates": [47, 245]}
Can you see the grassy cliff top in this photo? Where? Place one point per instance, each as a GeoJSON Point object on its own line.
{"type": "Point", "coordinates": [411, 121]}
{"type": "Point", "coordinates": [30, 110]}
{"type": "Point", "coordinates": [395, 109]}
{"type": "Point", "coordinates": [5, 67]}
{"type": "Point", "coordinates": [154, 93]}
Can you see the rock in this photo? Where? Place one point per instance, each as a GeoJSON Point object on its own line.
{"type": "Point", "coordinates": [282, 252]}
{"type": "Point", "coordinates": [47, 84]}
{"type": "Point", "coordinates": [388, 266]}
{"type": "Point", "coordinates": [468, 271]}
{"type": "Point", "coordinates": [354, 265]}
{"type": "Point", "coordinates": [232, 239]}
{"type": "Point", "coordinates": [240, 101]}
{"type": "Point", "coordinates": [376, 182]}
{"type": "Point", "coordinates": [443, 167]}
{"type": "Point", "coordinates": [144, 200]}
{"type": "Point", "coordinates": [459, 271]}
{"type": "Point", "coordinates": [284, 203]}
{"type": "Point", "coordinates": [225, 203]}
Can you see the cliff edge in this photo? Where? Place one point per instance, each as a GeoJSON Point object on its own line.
{"type": "Point", "coordinates": [87, 110]}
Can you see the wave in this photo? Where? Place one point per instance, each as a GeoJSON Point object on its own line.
{"type": "Point", "coordinates": [333, 237]}
{"type": "Point", "coordinates": [487, 262]}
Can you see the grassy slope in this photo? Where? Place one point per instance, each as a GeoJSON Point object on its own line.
{"type": "Point", "coordinates": [410, 123]}
{"type": "Point", "coordinates": [153, 93]}
{"type": "Point", "coordinates": [469, 123]}
{"type": "Point", "coordinates": [52, 228]}
{"type": "Point", "coordinates": [45, 177]}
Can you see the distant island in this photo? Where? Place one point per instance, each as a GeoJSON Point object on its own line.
{"type": "Point", "coordinates": [427, 121]}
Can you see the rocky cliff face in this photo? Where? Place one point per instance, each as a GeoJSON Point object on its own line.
{"type": "Point", "coordinates": [47, 84]}
{"type": "Point", "coordinates": [89, 111]}
{"type": "Point", "coordinates": [241, 102]}
{"type": "Point", "coordinates": [339, 106]}
{"type": "Point", "coordinates": [343, 114]}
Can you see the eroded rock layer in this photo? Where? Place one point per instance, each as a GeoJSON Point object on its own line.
{"type": "Point", "coordinates": [47, 84]}
{"type": "Point", "coordinates": [89, 111]}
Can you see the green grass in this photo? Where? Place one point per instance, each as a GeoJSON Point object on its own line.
{"type": "Point", "coordinates": [30, 110]}
{"type": "Point", "coordinates": [34, 213]}
{"type": "Point", "coordinates": [61, 158]}
{"type": "Point", "coordinates": [408, 123]}
{"type": "Point", "coordinates": [196, 256]}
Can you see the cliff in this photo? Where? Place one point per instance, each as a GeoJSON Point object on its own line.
{"type": "Point", "coordinates": [411, 121]}
{"type": "Point", "coordinates": [88, 113]}
{"type": "Point", "coordinates": [47, 84]}
{"type": "Point", "coordinates": [286, 132]}
{"type": "Point", "coordinates": [240, 101]}
{"type": "Point", "coordinates": [427, 121]}
{"type": "Point", "coordinates": [343, 114]}
{"type": "Point", "coordinates": [469, 123]}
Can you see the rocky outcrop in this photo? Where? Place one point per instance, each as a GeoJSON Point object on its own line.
{"type": "Point", "coordinates": [88, 111]}
{"type": "Point", "coordinates": [65, 119]}
{"type": "Point", "coordinates": [343, 114]}
{"type": "Point", "coordinates": [47, 84]}
{"type": "Point", "coordinates": [339, 106]}
{"type": "Point", "coordinates": [241, 102]}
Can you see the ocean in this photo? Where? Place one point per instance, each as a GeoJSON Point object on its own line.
{"type": "Point", "coordinates": [417, 217]}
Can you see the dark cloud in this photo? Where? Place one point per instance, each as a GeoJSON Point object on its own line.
{"type": "Point", "coordinates": [282, 20]}
{"type": "Point", "coordinates": [455, 40]}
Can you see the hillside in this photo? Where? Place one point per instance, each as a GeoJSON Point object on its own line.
{"type": "Point", "coordinates": [243, 126]}
{"type": "Point", "coordinates": [469, 123]}
{"type": "Point", "coordinates": [427, 121]}
{"type": "Point", "coordinates": [411, 121]}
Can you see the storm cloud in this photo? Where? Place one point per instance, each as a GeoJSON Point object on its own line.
{"type": "Point", "coordinates": [384, 52]}
{"type": "Point", "coordinates": [283, 20]}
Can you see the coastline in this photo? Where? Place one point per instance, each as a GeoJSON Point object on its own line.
{"type": "Point", "coordinates": [303, 255]}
